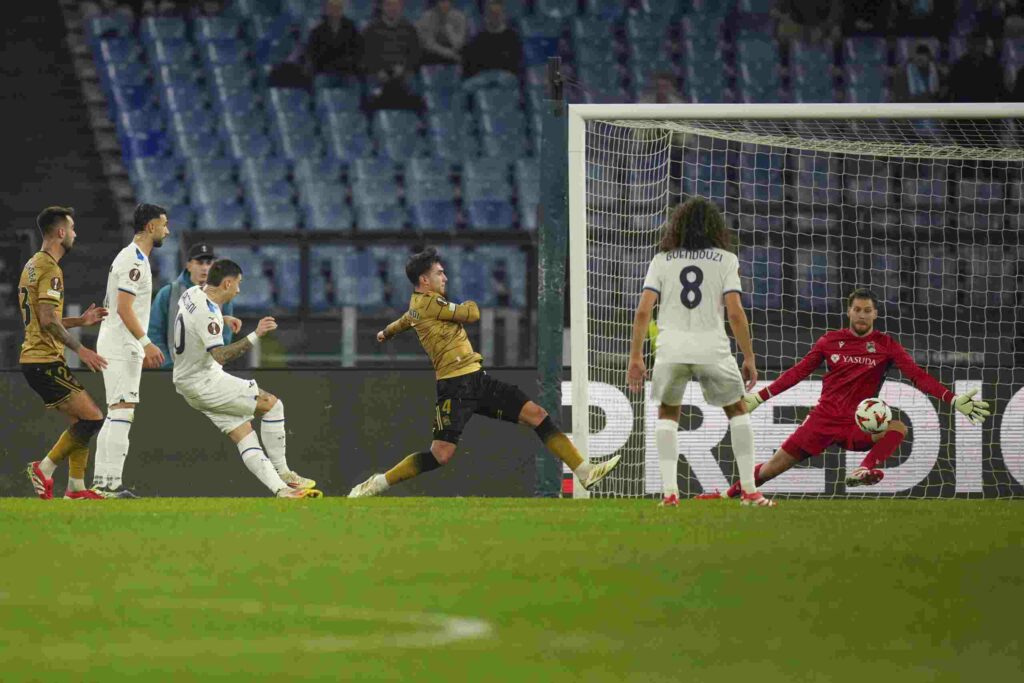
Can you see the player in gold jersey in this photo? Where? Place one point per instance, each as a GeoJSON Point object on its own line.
{"type": "Point", "coordinates": [41, 296]}
{"type": "Point", "coordinates": [463, 388]}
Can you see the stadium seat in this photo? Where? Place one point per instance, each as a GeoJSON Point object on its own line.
{"type": "Point", "coordinates": [884, 272]}
{"type": "Point", "coordinates": [222, 217]}
{"type": "Point", "coordinates": [223, 52]}
{"type": "Point", "coordinates": [177, 75]}
{"type": "Point", "coordinates": [105, 26]}
{"type": "Point", "coordinates": [255, 9]}
{"type": "Point", "coordinates": [818, 180]}
{"type": "Point", "coordinates": [867, 184]}
{"type": "Point", "coordinates": [761, 178]}
{"type": "Point", "coordinates": [376, 216]}
{"type": "Point", "coordinates": [980, 195]}
{"type": "Point", "coordinates": [327, 215]}
{"type": "Point", "coordinates": [155, 170]}
{"type": "Point", "coordinates": [817, 280]}
{"type": "Point", "coordinates": [210, 28]}
{"type": "Point", "coordinates": [811, 70]}
{"type": "Point", "coordinates": [905, 48]}
{"type": "Point", "coordinates": [937, 273]}
{"type": "Point", "coordinates": [272, 215]}
{"type": "Point", "coordinates": [346, 137]}
{"type": "Point", "coordinates": [338, 101]}
{"type": "Point", "coordinates": [441, 77]}
{"type": "Point", "coordinates": [705, 85]}
{"type": "Point", "coordinates": [761, 272]}
{"type": "Point", "coordinates": [119, 50]}
{"type": "Point", "coordinates": [163, 28]}
{"type": "Point", "coordinates": [398, 134]}
{"type": "Point", "coordinates": [171, 51]}
{"type": "Point", "coordinates": [758, 61]}
{"type": "Point", "coordinates": [527, 181]}
{"type": "Point", "coordinates": [449, 138]}
{"type": "Point", "coordinates": [605, 10]}
{"type": "Point", "coordinates": [281, 266]}
{"type": "Point", "coordinates": [430, 195]}
{"type": "Point", "coordinates": [540, 38]}
{"type": "Point", "coordinates": [866, 84]}
{"type": "Point", "coordinates": [705, 174]}
{"type": "Point", "coordinates": [865, 51]}
{"type": "Point", "coordinates": [923, 187]}
{"type": "Point", "coordinates": [556, 9]}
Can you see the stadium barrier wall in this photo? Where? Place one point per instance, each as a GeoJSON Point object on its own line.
{"type": "Point", "coordinates": [344, 425]}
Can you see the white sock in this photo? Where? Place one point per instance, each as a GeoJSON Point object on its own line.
{"type": "Point", "coordinates": [112, 447]}
{"type": "Point", "coordinates": [99, 473]}
{"type": "Point", "coordinates": [258, 463]}
{"type": "Point", "coordinates": [666, 438]}
{"type": "Point", "coordinates": [47, 467]}
{"type": "Point", "coordinates": [381, 481]}
{"type": "Point", "coordinates": [582, 470]}
{"type": "Point", "coordinates": [743, 450]}
{"type": "Point", "coordinates": [273, 435]}
{"type": "Point", "coordinates": [76, 484]}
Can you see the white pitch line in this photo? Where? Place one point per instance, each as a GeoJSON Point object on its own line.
{"type": "Point", "coordinates": [432, 629]}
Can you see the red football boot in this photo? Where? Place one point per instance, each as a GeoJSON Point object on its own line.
{"type": "Point", "coordinates": [40, 482]}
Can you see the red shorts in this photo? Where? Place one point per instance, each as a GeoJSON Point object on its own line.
{"type": "Point", "coordinates": [814, 436]}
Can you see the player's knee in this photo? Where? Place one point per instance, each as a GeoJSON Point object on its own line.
{"type": "Point", "coordinates": [532, 414]}
{"type": "Point", "coordinates": [84, 430]}
{"type": "Point", "coordinates": [275, 411]}
{"type": "Point", "coordinates": [898, 426]}
{"type": "Point", "coordinates": [442, 452]}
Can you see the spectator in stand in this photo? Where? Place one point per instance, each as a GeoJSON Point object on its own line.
{"type": "Point", "coordinates": [978, 76]}
{"type": "Point", "coordinates": [335, 46]}
{"type": "Point", "coordinates": [497, 46]}
{"type": "Point", "coordinates": [924, 17]}
{"type": "Point", "coordinates": [442, 32]}
{"type": "Point", "coordinates": [808, 20]}
{"type": "Point", "coordinates": [919, 79]}
{"type": "Point", "coordinates": [664, 90]}
{"type": "Point", "coordinates": [867, 17]}
{"type": "Point", "coordinates": [391, 52]}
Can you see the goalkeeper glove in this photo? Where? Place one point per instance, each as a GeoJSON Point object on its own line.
{"type": "Point", "coordinates": [976, 410]}
{"type": "Point", "coordinates": [752, 401]}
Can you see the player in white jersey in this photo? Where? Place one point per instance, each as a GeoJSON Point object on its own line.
{"type": "Point", "coordinates": [693, 277]}
{"type": "Point", "coordinates": [125, 345]}
{"type": "Point", "coordinates": [231, 402]}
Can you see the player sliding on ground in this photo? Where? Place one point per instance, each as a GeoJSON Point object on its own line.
{"type": "Point", "coordinates": [856, 359]}
{"type": "Point", "coordinates": [693, 274]}
{"type": "Point", "coordinates": [463, 388]}
{"type": "Point", "coordinates": [231, 402]}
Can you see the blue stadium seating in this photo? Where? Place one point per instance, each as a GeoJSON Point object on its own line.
{"type": "Point", "coordinates": [817, 279]}
{"type": "Point", "coordinates": [216, 28]}
{"type": "Point", "coordinates": [162, 28]}
{"type": "Point", "coordinates": [761, 178]}
{"type": "Point", "coordinates": [605, 10]}
{"type": "Point", "coordinates": [171, 51]}
{"type": "Point", "coordinates": [487, 194]}
{"type": "Point", "coordinates": [540, 38]}
{"type": "Point", "coordinates": [430, 194]}
{"type": "Point", "coordinates": [221, 217]}
{"type": "Point", "coordinates": [811, 73]}
{"type": "Point", "coordinates": [283, 264]}
{"type": "Point", "coordinates": [761, 268]}
{"type": "Point", "coordinates": [818, 180]}
{"type": "Point", "coordinates": [398, 134]}
{"type": "Point", "coordinates": [527, 182]}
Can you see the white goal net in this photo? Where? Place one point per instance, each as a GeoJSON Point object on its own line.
{"type": "Point", "coordinates": [922, 206]}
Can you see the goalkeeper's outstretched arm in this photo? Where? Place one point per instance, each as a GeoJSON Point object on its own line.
{"type": "Point", "coordinates": [790, 378]}
{"type": "Point", "coordinates": [974, 409]}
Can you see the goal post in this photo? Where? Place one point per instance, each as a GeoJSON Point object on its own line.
{"type": "Point", "coordinates": [920, 202]}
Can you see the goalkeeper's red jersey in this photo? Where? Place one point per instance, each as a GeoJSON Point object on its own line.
{"type": "Point", "coordinates": [855, 369]}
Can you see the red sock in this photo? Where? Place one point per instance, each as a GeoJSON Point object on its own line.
{"type": "Point", "coordinates": [734, 490]}
{"type": "Point", "coordinates": [882, 449]}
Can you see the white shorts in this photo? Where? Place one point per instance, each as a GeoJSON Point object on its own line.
{"type": "Point", "coordinates": [721, 382]}
{"type": "Point", "coordinates": [121, 380]}
{"type": "Point", "coordinates": [228, 401]}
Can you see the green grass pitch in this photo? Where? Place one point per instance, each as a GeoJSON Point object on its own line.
{"type": "Point", "coordinates": [510, 590]}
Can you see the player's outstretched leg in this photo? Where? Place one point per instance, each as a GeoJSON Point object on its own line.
{"type": "Point", "coordinates": [410, 466]}
{"type": "Point", "coordinates": [259, 464]}
{"type": "Point", "coordinates": [886, 443]}
{"type": "Point", "coordinates": [589, 474]}
{"type": "Point", "coordinates": [273, 434]}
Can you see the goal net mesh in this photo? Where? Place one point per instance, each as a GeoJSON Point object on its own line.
{"type": "Point", "coordinates": [925, 213]}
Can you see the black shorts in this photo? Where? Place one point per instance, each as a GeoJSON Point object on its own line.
{"type": "Point", "coordinates": [52, 381]}
{"type": "Point", "coordinates": [460, 398]}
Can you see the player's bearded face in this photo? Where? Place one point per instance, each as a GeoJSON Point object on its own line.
{"type": "Point", "coordinates": [862, 315]}
{"type": "Point", "coordinates": [160, 232]}
{"type": "Point", "coordinates": [69, 238]}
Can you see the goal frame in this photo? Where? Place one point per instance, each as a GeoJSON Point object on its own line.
{"type": "Point", "coordinates": [579, 114]}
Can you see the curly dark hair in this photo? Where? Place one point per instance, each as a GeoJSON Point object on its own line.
{"type": "Point", "coordinates": [695, 224]}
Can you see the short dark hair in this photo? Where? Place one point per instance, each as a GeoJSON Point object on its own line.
{"type": "Point", "coordinates": [144, 213]}
{"type": "Point", "coordinates": [50, 218]}
{"type": "Point", "coordinates": [861, 293]}
{"type": "Point", "coordinates": [221, 269]}
{"type": "Point", "coordinates": [420, 263]}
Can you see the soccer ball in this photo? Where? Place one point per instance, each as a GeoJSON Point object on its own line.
{"type": "Point", "coordinates": [873, 415]}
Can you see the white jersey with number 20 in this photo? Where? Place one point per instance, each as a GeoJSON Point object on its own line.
{"type": "Point", "coordinates": [198, 327]}
{"type": "Point", "coordinates": [691, 286]}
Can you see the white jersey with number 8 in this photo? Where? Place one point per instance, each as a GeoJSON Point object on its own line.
{"type": "Point", "coordinates": [198, 327]}
{"type": "Point", "coordinates": [691, 286]}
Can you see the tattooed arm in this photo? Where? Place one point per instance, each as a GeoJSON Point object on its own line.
{"type": "Point", "coordinates": [226, 354]}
